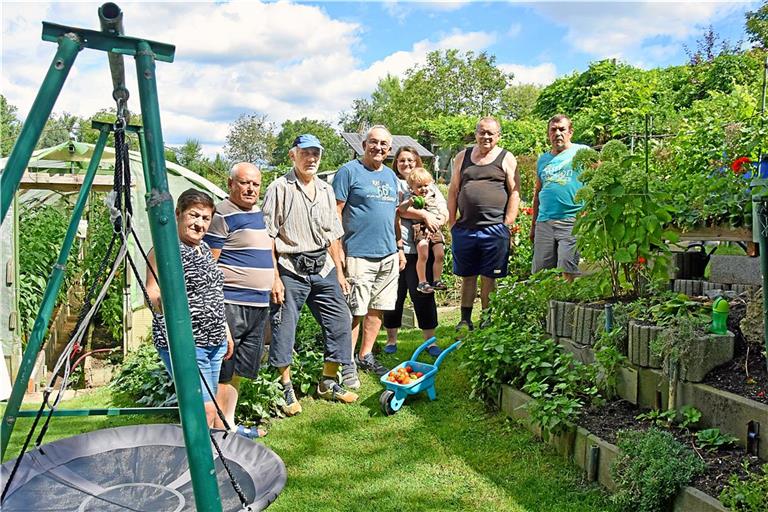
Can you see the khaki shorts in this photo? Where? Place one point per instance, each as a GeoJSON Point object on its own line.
{"type": "Point", "coordinates": [374, 283]}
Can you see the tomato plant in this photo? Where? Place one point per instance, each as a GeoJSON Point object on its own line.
{"type": "Point", "coordinates": [622, 223]}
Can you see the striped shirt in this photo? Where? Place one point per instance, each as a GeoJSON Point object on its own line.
{"type": "Point", "coordinates": [299, 224]}
{"type": "Point", "coordinates": [204, 282]}
{"type": "Point", "coordinates": [246, 254]}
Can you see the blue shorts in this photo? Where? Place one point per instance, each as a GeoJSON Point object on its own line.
{"type": "Point", "coordinates": [209, 360]}
{"type": "Point", "coordinates": [480, 252]}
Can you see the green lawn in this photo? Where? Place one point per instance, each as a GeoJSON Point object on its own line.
{"type": "Point", "coordinates": [451, 454]}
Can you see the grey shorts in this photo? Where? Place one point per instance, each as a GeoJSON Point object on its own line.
{"type": "Point", "coordinates": [554, 246]}
{"type": "Point", "coordinates": [246, 324]}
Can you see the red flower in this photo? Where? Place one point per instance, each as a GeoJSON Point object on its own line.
{"type": "Point", "coordinates": [737, 166]}
{"type": "Point", "coordinates": [528, 211]}
{"type": "Point", "coordinates": [761, 394]}
{"type": "Point", "coordinates": [641, 260]}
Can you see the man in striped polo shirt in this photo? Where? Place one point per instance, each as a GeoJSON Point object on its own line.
{"type": "Point", "coordinates": [239, 240]}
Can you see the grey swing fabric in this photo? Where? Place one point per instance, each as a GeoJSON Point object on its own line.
{"type": "Point", "coordinates": [140, 467]}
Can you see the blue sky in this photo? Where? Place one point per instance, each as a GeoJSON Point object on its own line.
{"type": "Point", "coordinates": [311, 59]}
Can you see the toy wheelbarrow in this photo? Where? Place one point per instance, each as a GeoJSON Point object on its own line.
{"type": "Point", "coordinates": [392, 398]}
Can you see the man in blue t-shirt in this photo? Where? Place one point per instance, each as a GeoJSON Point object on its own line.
{"type": "Point", "coordinates": [367, 199]}
{"type": "Point", "coordinates": [554, 203]}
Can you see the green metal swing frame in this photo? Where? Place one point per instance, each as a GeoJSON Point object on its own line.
{"type": "Point", "coordinates": [160, 210]}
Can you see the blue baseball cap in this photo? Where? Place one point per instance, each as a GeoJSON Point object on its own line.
{"type": "Point", "coordinates": [307, 141]}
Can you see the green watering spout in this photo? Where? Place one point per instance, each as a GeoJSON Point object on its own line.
{"type": "Point", "coordinates": [720, 310]}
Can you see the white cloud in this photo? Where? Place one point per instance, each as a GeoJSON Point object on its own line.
{"type": "Point", "coordinates": [232, 58]}
{"type": "Point", "coordinates": [514, 30]}
{"type": "Point", "coordinates": [543, 74]}
{"type": "Point", "coordinates": [402, 9]}
{"type": "Point", "coordinates": [621, 29]}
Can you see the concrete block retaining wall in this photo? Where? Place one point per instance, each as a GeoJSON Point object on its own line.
{"type": "Point", "coordinates": [735, 270]}
{"type": "Point", "coordinates": [560, 318]}
{"type": "Point", "coordinates": [586, 322]}
{"type": "Point", "coordinates": [639, 345]}
{"type": "Point", "coordinates": [731, 413]}
{"type": "Point", "coordinates": [595, 455]}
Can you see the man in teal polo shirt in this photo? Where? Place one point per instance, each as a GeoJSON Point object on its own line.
{"type": "Point", "coordinates": [554, 203]}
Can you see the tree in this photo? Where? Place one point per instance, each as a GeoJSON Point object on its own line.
{"type": "Point", "coordinates": [708, 47]}
{"type": "Point", "coordinates": [608, 100]}
{"type": "Point", "coordinates": [448, 84]}
{"type": "Point", "coordinates": [757, 26]}
{"type": "Point", "coordinates": [59, 128]}
{"type": "Point", "coordinates": [518, 101]}
{"type": "Point", "coordinates": [335, 150]}
{"type": "Point", "coordinates": [190, 154]}
{"type": "Point", "coordinates": [251, 138]}
{"type": "Point", "coordinates": [9, 126]}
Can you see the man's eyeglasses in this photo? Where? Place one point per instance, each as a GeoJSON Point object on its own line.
{"type": "Point", "coordinates": [487, 133]}
{"type": "Point", "coordinates": [377, 143]}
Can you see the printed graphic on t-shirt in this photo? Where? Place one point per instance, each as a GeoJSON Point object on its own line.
{"type": "Point", "coordinates": [557, 172]}
{"type": "Point", "coordinates": [381, 191]}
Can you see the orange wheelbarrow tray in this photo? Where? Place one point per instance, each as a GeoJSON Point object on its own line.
{"type": "Point", "coordinates": [392, 399]}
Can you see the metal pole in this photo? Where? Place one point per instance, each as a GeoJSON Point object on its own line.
{"type": "Point", "coordinates": [69, 45]}
{"type": "Point", "coordinates": [144, 161]}
{"type": "Point", "coordinates": [40, 327]}
{"type": "Point", "coordinates": [762, 218]}
{"type": "Point", "coordinates": [160, 209]}
{"type": "Point", "coordinates": [647, 150]}
{"type": "Point", "coordinates": [111, 21]}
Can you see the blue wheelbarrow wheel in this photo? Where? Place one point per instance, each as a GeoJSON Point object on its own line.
{"type": "Point", "coordinates": [386, 402]}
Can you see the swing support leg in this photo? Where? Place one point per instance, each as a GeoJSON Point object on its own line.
{"type": "Point", "coordinates": [69, 46]}
{"type": "Point", "coordinates": [40, 326]}
{"type": "Point", "coordinates": [162, 222]}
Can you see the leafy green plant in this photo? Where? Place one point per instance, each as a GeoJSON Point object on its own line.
{"type": "Point", "coordinates": [695, 165]}
{"type": "Point", "coordinates": [651, 468]}
{"type": "Point", "coordinates": [142, 379]}
{"type": "Point", "coordinates": [491, 354]}
{"type": "Point", "coordinates": [40, 237]}
{"type": "Point", "coordinates": [260, 398]}
{"type": "Point", "coordinates": [99, 234]}
{"type": "Point", "coordinates": [559, 389]}
{"type": "Point", "coordinates": [622, 223]}
{"type": "Point", "coordinates": [514, 349]}
{"type": "Point", "coordinates": [658, 418]}
{"type": "Point", "coordinates": [712, 439]}
{"type": "Point", "coordinates": [690, 416]}
{"type": "Point", "coordinates": [609, 361]}
{"type": "Point", "coordinates": [747, 494]}
{"type": "Point", "coordinates": [521, 248]}
{"type": "Point", "coordinates": [674, 305]}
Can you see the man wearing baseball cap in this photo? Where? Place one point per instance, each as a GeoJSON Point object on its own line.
{"type": "Point", "coordinates": [300, 214]}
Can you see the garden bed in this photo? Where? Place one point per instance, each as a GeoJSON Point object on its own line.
{"type": "Point", "coordinates": [607, 420]}
{"type": "Point", "coordinates": [733, 378]}
{"type": "Point", "coordinates": [591, 445]}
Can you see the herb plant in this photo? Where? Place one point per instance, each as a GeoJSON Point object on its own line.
{"type": "Point", "coordinates": [651, 468]}
{"type": "Point", "coordinates": [747, 495]}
